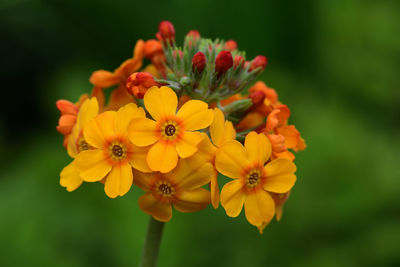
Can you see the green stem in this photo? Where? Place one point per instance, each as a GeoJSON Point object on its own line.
{"type": "Point", "coordinates": [152, 243]}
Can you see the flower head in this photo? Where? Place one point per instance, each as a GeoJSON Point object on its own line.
{"type": "Point", "coordinates": [223, 62]}
{"type": "Point", "coordinates": [139, 82]}
{"type": "Point", "coordinates": [199, 62]}
{"type": "Point", "coordinates": [180, 188]}
{"type": "Point", "coordinates": [170, 134]}
{"type": "Point", "coordinates": [253, 180]}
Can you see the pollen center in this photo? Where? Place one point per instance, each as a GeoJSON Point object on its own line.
{"type": "Point", "coordinates": [117, 151]}
{"type": "Point", "coordinates": [82, 145]}
{"type": "Point", "coordinates": [165, 189]}
{"type": "Point", "coordinates": [169, 130]}
{"type": "Point", "coordinates": [253, 178]}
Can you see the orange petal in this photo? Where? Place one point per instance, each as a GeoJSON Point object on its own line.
{"type": "Point", "coordinates": [258, 147]}
{"type": "Point", "coordinates": [251, 120]}
{"type": "Point", "coordinates": [192, 200]}
{"type": "Point", "coordinates": [195, 115]}
{"type": "Point", "coordinates": [66, 123]}
{"type": "Point", "coordinates": [191, 173]}
{"type": "Point", "coordinates": [160, 102]}
{"type": "Point", "coordinates": [232, 198]}
{"type": "Point", "coordinates": [142, 131]}
{"type": "Point", "coordinates": [139, 158]}
{"type": "Point", "coordinates": [144, 180]}
{"type": "Point", "coordinates": [187, 145]}
{"type": "Point", "coordinates": [214, 190]}
{"type": "Point", "coordinates": [125, 115]}
{"type": "Point", "coordinates": [92, 165]}
{"type": "Point", "coordinates": [280, 175]}
{"type": "Point", "coordinates": [119, 98]}
{"type": "Point", "coordinates": [87, 111]}
{"type": "Point", "coordinates": [162, 157]}
{"type": "Point", "coordinates": [69, 177]}
{"type": "Point", "coordinates": [259, 207]}
{"type": "Point", "coordinates": [97, 130]}
{"type": "Point", "coordinates": [161, 211]}
{"type": "Point", "coordinates": [292, 136]}
{"type": "Point", "coordinates": [231, 159]}
{"type": "Point", "coordinates": [118, 181]}
{"type": "Point", "coordinates": [103, 78]}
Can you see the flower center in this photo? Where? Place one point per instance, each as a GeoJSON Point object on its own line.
{"type": "Point", "coordinates": [165, 189]}
{"type": "Point", "coordinates": [253, 178]}
{"type": "Point", "coordinates": [169, 130]}
{"type": "Point", "coordinates": [117, 151]}
{"type": "Point", "coordinates": [83, 145]}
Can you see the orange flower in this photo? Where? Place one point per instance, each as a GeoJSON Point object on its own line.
{"type": "Point", "coordinates": [112, 155]}
{"type": "Point", "coordinates": [180, 188]}
{"type": "Point", "coordinates": [171, 133]}
{"type": "Point", "coordinates": [154, 52]}
{"type": "Point", "coordinates": [69, 112]}
{"type": "Point", "coordinates": [139, 82]}
{"type": "Point", "coordinates": [105, 79]}
{"type": "Point", "coordinates": [253, 180]}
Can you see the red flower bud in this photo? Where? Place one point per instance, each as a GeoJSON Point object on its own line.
{"type": "Point", "coordinates": [257, 97]}
{"type": "Point", "coordinates": [230, 45]}
{"type": "Point", "coordinates": [239, 61]}
{"type": "Point", "coordinates": [223, 62]}
{"type": "Point", "coordinates": [166, 31]}
{"type": "Point", "coordinates": [193, 34]}
{"type": "Point", "coordinates": [139, 82]}
{"type": "Point", "coordinates": [199, 62]}
{"type": "Point", "coordinates": [258, 62]}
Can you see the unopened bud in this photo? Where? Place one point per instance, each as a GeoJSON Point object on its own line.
{"type": "Point", "coordinates": [258, 62]}
{"type": "Point", "coordinates": [166, 31]}
{"type": "Point", "coordinates": [192, 38]}
{"type": "Point", "coordinates": [257, 97]}
{"type": "Point", "coordinates": [238, 62]}
{"type": "Point", "coordinates": [198, 62]}
{"type": "Point", "coordinates": [230, 45]}
{"type": "Point", "coordinates": [238, 106]}
{"type": "Point", "coordinates": [139, 82]}
{"type": "Point", "coordinates": [151, 48]}
{"type": "Point", "coordinates": [223, 62]}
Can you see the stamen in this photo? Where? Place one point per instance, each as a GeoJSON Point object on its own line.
{"type": "Point", "coordinates": [169, 130]}
{"type": "Point", "coordinates": [165, 189]}
{"type": "Point", "coordinates": [117, 151]}
{"type": "Point", "coordinates": [253, 178]}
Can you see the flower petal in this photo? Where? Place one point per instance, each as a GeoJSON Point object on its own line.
{"type": "Point", "coordinates": [232, 198]}
{"type": "Point", "coordinates": [292, 136]}
{"type": "Point", "coordinates": [187, 145]}
{"type": "Point", "coordinates": [162, 157]}
{"type": "Point", "coordinates": [192, 200]}
{"type": "Point", "coordinates": [160, 210]}
{"type": "Point", "coordinates": [217, 127]}
{"type": "Point", "coordinates": [125, 115]}
{"type": "Point", "coordinates": [138, 158]}
{"type": "Point", "coordinates": [259, 207]}
{"type": "Point", "coordinates": [191, 173]}
{"type": "Point", "coordinates": [280, 175]}
{"type": "Point", "coordinates": [142, 131]}
{"type": "Point", "coordinates": [69, 177]}
{"type": "Point", "coordinates": [97, 130]}
{"type": "Point", "coordinates": [258, 147]}
{"type": "Point", "coordinates": [231, 159]}
{"type": "Point", "coordinates": [118, 181]}
{"type": "Point", "coordinates": [103, 78]}
{"type": "Point", "coordinates": [92, 165]}
{"type": "Point", "coordinates": [214, 190]}
{"type": "Point", "coordinates": [88, 111]}
{"type": "Point", "coordinates": [195, 115]}
{"type": "Point", "coordinates": [160, 102]}
{"type": "Point", "coordinates": [144, 180]}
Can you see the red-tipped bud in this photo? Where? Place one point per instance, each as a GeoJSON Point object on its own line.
{"type": "Point", "coordinates": [139, 82]}
{"type": "Point", "coordinates": [257, 97]}
{"type": "Point", "coordinates": [151, 48]}
{"type": "Point", "coordinates": [258, 62]}
{"type": "Point", "coordinates": [239, 61]}
{"type": "Point", "coordinates": [230, 45]}
{"type": "Point", "coordinates": [223, 62]}
{"type": "Point", "coordinates": [199, 62]}
{"type": "Point", "coordinates": [193, 34]}
{"type": "Point", "coordinates": [166, 31]}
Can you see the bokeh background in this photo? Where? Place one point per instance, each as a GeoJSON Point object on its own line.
{"type": "Point", "coordinates": [335, 63]}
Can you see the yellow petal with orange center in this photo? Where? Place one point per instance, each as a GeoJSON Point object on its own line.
{"type": "Point", "coordinates": [161, 211]}
{"type": "Point", "coordinates": [258, 147]}
{"type": "Point", "coordinates": [191, 173]}
{"type": "Point", "coordinates": [69, 177]}
{"type": "Point", "coordinates": [125, 115]}
{"type": "Point", "coordinates": [139, 158]}
{"type": "Point", "coordinates": [231, 159]}
{"type": "Point", "coordinates": [187, 145]}
{"type": "Point", "coordinates": [160, 102]}
{"type": "Point", "coordinates": [118, 181]}
{"type": "Point", "coordinates": [280, 175]}
{"type": "Point", "coordinates": [162, 157]}
{"type": "Point", "coordinates": [142, 131]}
{"type": "Point", "coordinates": [98, 129]}
{"type": "Point", "coordinates": [232, 197]}
{"type": "Point", "coordinates": [195, 115]}
{"type": "Point", "coordinates": [92, 165]}
{"type": "Point", "coordinates": [259, 207]}
{"type": "Point", "coordinates": [192, 200]}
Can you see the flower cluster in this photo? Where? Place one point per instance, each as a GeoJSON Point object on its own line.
{"type": "Point", "coordinates": [179, 124]}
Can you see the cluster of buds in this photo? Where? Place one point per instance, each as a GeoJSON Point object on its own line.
{"type": "Point", "coordinates": [172, 126]}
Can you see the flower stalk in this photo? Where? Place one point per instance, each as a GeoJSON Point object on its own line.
{"type": "Point", "coordinates": [152, 243]}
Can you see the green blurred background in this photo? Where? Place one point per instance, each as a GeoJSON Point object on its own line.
{"type": "Point", "coordinates": [335, 63]}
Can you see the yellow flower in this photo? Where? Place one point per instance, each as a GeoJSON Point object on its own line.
{"type": "Point", "coordinates": [171, 133]}
{"type": "Point", "coordinates": [220, 132]}
{"type": "Point", "coordinates": [180, 188]}
{"type": "Point", "coordinates": [253, 182]}
{"type": "Point", "coordinates": [112, 156]}
{"type": "Point", "coordinates": [69, 176]}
